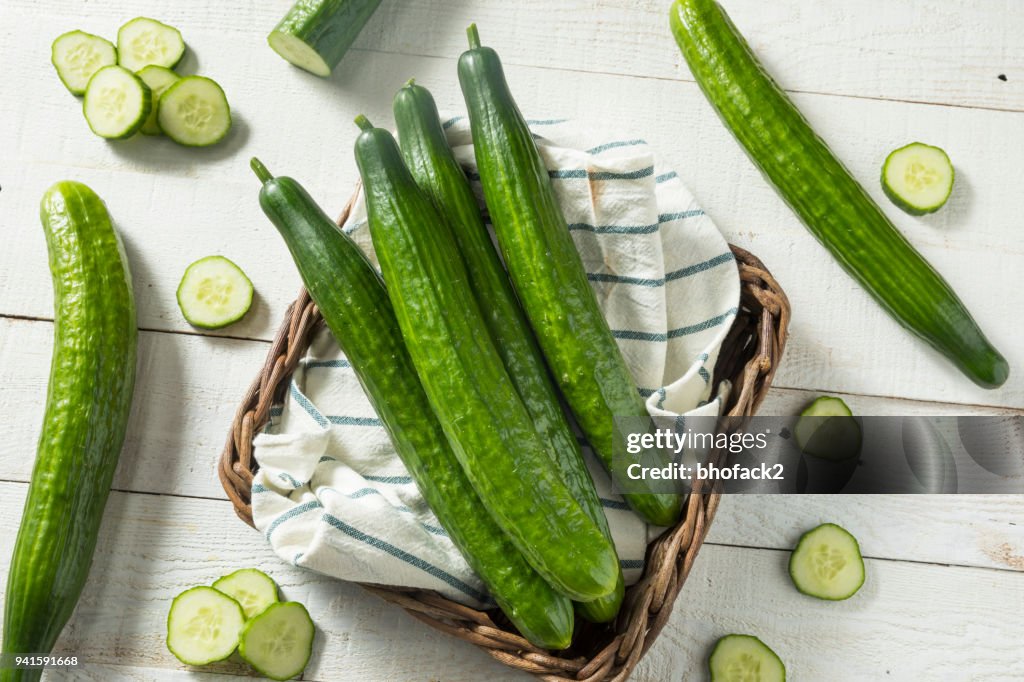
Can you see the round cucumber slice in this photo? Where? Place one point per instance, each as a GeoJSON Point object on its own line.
{"type": "Point", "coordinates": [116, 102]}
{"type": "Point", "coordinates": [158, 78]}
{"type": "Point", "coordinates": [826, 428]}
{"type": "Point", "coordinates": [918, 178]}
{"type": "Point", "coordinates": [745, 658]}
{"type": "Point", "coordinates": [203, 626]}
{"type": "Point", "coordinates": [78, 55]}
{"type": "Point", "coordinates": [144, 41]}
{"type": "Point", "coordinates": [214, 292]}
{"type": "Point", "coordinates": [827, 563]}
{"type": "Point", "coordinates": [251, 588]}
{"type": "Point", "coordinates": [279, 641]}
{"type": "Point", "coordinates": [194, 112]}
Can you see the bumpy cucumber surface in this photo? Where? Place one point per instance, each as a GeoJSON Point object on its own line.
{"type": "Point", "coordinates": [745, 658]}
{"type": "Point", "coordinates": [78, 55]}
{"type": "Point", "coordinates": [918, 178]}
{"type": "Point", "coordinates": [833, 206]}
{"type": "Point", "coordinates": [316, 34]}
{"type": "Point", "coordinates": [433, 166]}
{"type": "Point", "coordinates": [356, 308]}
{"type": "Point", "coordinates": [546, 268]}
{"type": "Point", "coordinates": [92, 376]}
{"type": "Point", "coordinates": [827, 563]}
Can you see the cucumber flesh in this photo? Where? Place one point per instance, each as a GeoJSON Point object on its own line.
{"type": "Point", "coordinates": [143, 41]}
{"type": "Point", "coordinates": [826, 428]}
{"type": "Point", "coordinates": [827, 563]}
{"type": "Point", "coordinates": [251, 588]}
{"type": "Point", "coordinates": [745, 658]}
{"type": "Point", "coordinates": [315, 34]}
{"type": "Point", "coordinates": [297, 52]}
{"type": "Point", "coordinates": [279, 641]}
{"type": "Point", "coordinates": [158, 78]}
{"type": "Point", "coordinates": [213, 293]}
{"type": "Point", "coordinates": [918, 178]}
{"type": "Point", "coordinates": [194, 112]}
{"type": "Point", "coordinates": [116, 102]}
{"type": "Point", "coordinates": [203, 626]}
{"type": "Point", "coordinates": [78, 55]}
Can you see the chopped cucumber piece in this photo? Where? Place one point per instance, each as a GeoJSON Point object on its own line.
{"type": "Point", "coordinates": [251, 588]}
{"type": "Point", "coordinates": [918, 178]}
{"type": "Point", "coordinates": [826, 428]}
{"type": "Point", "coordinates": [194, 112]}
{"type": "Point", "coordinates": [78, 55]}
{"type": "Point", "coordinates": [213, 293]}
{"type": "Point", "coordinates": [299, 53]}
{"type": "Point", "coordinates": [279, 641]}
{"type": "Point", "coordinates": [143, 41]}
{"type": "Point", "coordinates": [203, 626]}
{"type": "Point", "coordinates": [827, 563]}
{"type": "Point", "coordinates": [116, 103]}
{"type": "Point", "coordinates": [745, 658]}
{"type": "Point", "coordinates": [158, 78]}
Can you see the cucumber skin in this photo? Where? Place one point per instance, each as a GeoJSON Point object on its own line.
{"type": "Point", "coordinates": [92, 377]}
{"type": "Point", "coordinates": [329, 27]}
{"type": "Point", "coordinates": [487, 424]}
{"type": "Point", "coordinates": [547, 271]}
{"type": "Point", "coordinates": [833, 206]}
{"type": "Point", "coordinates": [899, 201]}
{"type": "Point", "coordinates": [435, 169]}
{"type": "Point", "coordinates": [352, 299]}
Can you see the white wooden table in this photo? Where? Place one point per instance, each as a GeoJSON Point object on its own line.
{"type": "Point", "coordinates": [945, 590]}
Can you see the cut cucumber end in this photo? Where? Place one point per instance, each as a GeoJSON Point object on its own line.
{"type": "Point", "coordinates": [194, 112]}
{"type": "Point", "coordinates": [745, 658]}
{"type": "Point", "coordinates": [78, 55]}
{"type": "Point", "coordinates": [298, 53]}
{"type": "Point", "coordinates": [116, 102]}
{"type": "Point", "coordinates": [251, 588]}
{"type": "Point", "coordinates": [203, 626]}
{"type": "Point", "coordinates": [826, 429]}
{"type": "Point", "coordinates": [144, 41]}
{"type": "Point", "coordinates": [214, 292]}
{"type": "Point", "coordinates": [918, 178]}
{"type": "Point", "coordinates": [279, 641]}
{"type": "Point", "coordinates": [827, 563]}
{"type": "Point", "coordinates": [159, 79]}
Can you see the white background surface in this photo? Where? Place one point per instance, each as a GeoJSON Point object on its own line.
{"type": "Point", "coordinates": [945, 588]}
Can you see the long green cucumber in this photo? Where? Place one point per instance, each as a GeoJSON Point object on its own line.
{"type": "Point", "coordinates": [833, 206]}
{"type": "Point", "coordinates": [92, 376]}
{"type": "Point", "coordinates": [546, 268]}
{"type": "Point", "coordinates": [316, 34]}
{"type": "Point", "coordinates": [486, 422]}
{"type": "Point", "coordinates": [355, 306]}
{"type": "Point", "coordinates": [433, 166]}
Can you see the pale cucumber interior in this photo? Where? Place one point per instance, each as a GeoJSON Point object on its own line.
{"type": "Point", "coordinates": [297, 52]}
{"type": "Point", "coordinates": [827, 429]}
{"type": "Point", "coordinates": [77, 56]}
{"type": "Point", "coordinates": [251, 588]}
{"type": "Point", "coordinates": [827, 406]}
{"type": "Point", "coordinates": [744, 658]}
{"type": "Point", "coordinates": [158, 78]}
{"type": "Point", "coordinates": [214, 292]}
{"type": "Point", "coordinates": [143, 41]}
{"type": "Point", "coordinates": [278, 642]}
{"type": "Point", "coordinates": [203, 626]}
{"type": "Point", "coordinates": [194, 112]}
{"type": "Point", "coordinates": [920, 176]}
{"type": "Point", "coordinates": [116, 102]}
{"type": "Point", "coordinates": [827, 563]}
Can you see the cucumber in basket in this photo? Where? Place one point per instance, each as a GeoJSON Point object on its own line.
{"type": "Point", "coordinates": [433, 166]}
{"type": "Point", "coordinates": [833, 206]}
{"type": "Point", "coordinates": [546, 269]}
{"type": "Point", "coordinates": [316, 34]}
{"type": "Point", "coordinates": [352, 299]}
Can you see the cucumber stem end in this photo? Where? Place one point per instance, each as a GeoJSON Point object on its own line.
{"type": "Point", "coordinates": [260, 170]}
{"type": "Point", "coordinates": [474, 36]}
{"type": "Point", "coordinates": [363, 123]}
{"type": "Point", "coordinates": [411, 82]}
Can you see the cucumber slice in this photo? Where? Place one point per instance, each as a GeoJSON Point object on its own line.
{"type": "Point", "coordinates": [745, 658]}
{"type": "Point", "coordinates": [116, 102]}
{"type": "Point", "coordinates": [213, 293]}
{"type": "Point", "coordinates": [78, 55]}
{"type": "Point", "coordinates": [316, 34]}
{"type": "Point", "coordinates": [827, 563]}
{"type": "Point", "coordinates": [143, 41]}
{"type": "Point", "coordinates": [158, 78]}
{"type": "Point", "coordinates": [826, 428]}
{"type": "Point", "coordinates": [251, 588]}
{"type": "Point", "coordinates": [194, 112]}
{"type": "Point", "coordinates": [279, 641]}
{"type": "Point", "coordinates": [203, 626]}
{"type": "Point", "coordinates": [918, 178]}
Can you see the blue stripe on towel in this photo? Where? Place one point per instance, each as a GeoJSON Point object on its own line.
{"type": "Point", "coordinates": [292, 513]}
{"type": "Point", "coordinates": [612, 145]}
{"type": "Point", "coordinates": [633, 335]}
{"type": "Point", "coordinates": [346, 420]}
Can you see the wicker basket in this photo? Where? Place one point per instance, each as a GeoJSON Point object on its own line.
{"type": "Point", "coordinates": [749, 357]}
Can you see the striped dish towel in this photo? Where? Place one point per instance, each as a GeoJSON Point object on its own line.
{"type": "Point", "coordinates": [331, 495]}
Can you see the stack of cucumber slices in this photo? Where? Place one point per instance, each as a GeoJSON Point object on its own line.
{"type": "Point", "coordinates": [133, 88]}
{"type": "Point", "coordinates": [241, 612]}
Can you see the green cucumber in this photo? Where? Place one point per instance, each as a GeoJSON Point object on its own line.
{"type": "Point", "coordinates": [433, 166]}
{"type": "Point", "coordinates": [116, 103]}
{"type": "Point", "coordinates": [279, 641]}
{"type": "Point", "coordinates": [203, 626]}
{"type": "Point", "coordinates": [487, 424]}
{"type": "Point", "coordinates": [745, 658]}
{"type": "Point", "coordinates": [251, 588]}
{"type": "Point", "coordinates": [827, 563]}
{"type": "Point", "coordinates": [144, 41]}
{"type": "Point", "coordinates": [78, 55]}
{"type": "Point", "coordinates": [194, 112]}
{"type": "Point", "coordinates": [352, 299]}
{"type": "Point", "coordinates": [213, 293]}
{"type": "Point", "coordinates": [918, 178]}
{"type": "Point", "coordinates": [833, 206]}
{"type": "Point", "coordinates": [826, 428]}
{"type": "Point", "coordinates": [316, 34]}
{"type": "Point", "coordinates": [92, 376]}
{"type": "Point", "coordinates": [546, 269]}
{"type": "Point", "coordinates": [158, 79]}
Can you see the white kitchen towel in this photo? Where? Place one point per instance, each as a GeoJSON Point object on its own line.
{"type": "Point", "coordinates": [331, 494]}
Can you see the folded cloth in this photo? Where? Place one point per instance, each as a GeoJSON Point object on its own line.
{"type": "Point", "coordinates": [332, 495]}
